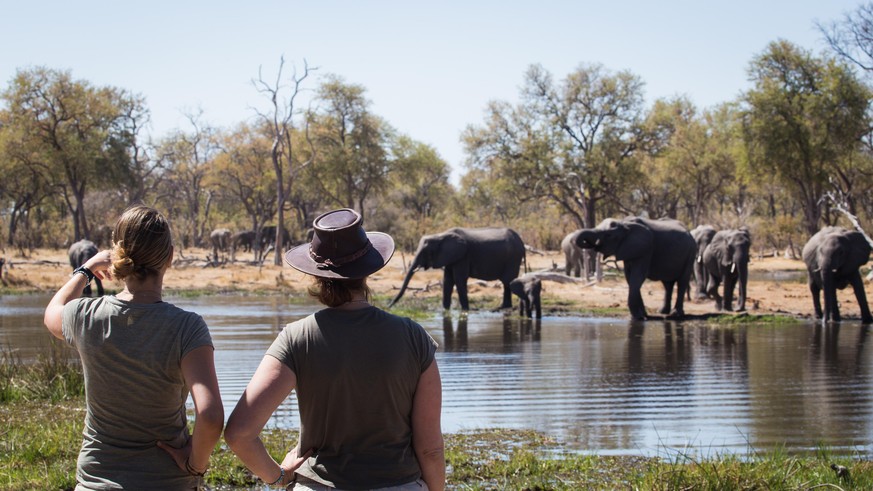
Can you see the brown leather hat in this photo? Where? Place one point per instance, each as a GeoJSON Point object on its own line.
{"type": "Point", "coordinates": [340, 248]}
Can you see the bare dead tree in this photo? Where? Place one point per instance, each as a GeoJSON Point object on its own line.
{"type": "Point", "coordinates": [852, 37]}
{"type": "Point", "coordinates": [280, 120]}
{"type": "Point", "coordinates": [838, 203]}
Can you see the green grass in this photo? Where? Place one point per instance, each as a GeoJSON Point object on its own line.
{"type": "Point", "coordinates": [744, 318]}
{"type": "Point", "coordinates": [52, 377]}
{"type": "Point", "coordinates": [42, 412]}
{"type": "Point", "coordinates": [40, 442]}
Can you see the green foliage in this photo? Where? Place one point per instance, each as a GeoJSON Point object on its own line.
{"type": "Point", "coordinates": [69, 134]}
{"type": "Point", "coordinates": [52, 377]}
{"type": "Point", "coordinates": [803, 121]}
{"type": "Point", "coordinates": [40, 443]}
{"type": "Point", "coordinates": [569, 153]}
{"type": "Point", "coordinates": [569, 143]}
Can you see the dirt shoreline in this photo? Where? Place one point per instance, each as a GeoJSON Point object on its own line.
{"type": "Point", "coordinates": [778, 286]}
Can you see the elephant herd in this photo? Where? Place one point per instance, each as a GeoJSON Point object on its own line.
{"type": "Point", "coordinates": [659, 250]}
{"type": "Point", "coordinates": [222, 241]}
{"type": "Point", "coordinates": [663, 250]}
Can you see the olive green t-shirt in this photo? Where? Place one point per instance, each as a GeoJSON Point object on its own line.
{"type": "Point", "coordinates": [357, 372]}
{"type": "Point", "coordinates": [131, 355]}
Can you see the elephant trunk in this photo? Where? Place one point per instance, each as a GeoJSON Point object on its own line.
{"type": "Point", "coordinates": [412, 268]}
{"type": "Point", "coordinates": [829, 288]}
{"type": "Point", "coordinates": [743, 281]}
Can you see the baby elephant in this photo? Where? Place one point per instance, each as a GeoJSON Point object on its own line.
{"type": "Point", "coordinates": [527, 288]}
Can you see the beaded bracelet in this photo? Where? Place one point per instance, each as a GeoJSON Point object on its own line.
{"type": "Point", "coordinates": [87, 273]}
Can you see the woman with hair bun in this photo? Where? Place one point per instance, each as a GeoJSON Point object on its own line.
{"type": "Point", "coordinates": [141, 357]}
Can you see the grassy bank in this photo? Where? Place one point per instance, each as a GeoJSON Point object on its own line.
{"type": "Point", "coordinates": [42, 409]}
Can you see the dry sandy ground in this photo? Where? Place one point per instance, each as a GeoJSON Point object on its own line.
{"type": "Point", "coordinates": [46, 270]}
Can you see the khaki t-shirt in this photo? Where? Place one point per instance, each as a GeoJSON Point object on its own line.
{"type": "Point", "coordinates": [131, 355]}
{"type": "Point", "coordinates": [357, 372]}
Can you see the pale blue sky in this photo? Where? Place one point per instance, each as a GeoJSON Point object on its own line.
{"type": "Point", "coordinates": [429, 68]}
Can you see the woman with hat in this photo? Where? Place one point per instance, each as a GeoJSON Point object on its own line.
{"type": "Point", "coordinates": [368, 386]}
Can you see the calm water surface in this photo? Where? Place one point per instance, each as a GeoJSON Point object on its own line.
{"type": "Point", "coordinates": [598, 385]}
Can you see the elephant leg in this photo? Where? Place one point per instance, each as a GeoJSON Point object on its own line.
{"type": "Point", "coordinates": [461, 284]}
{"type": "Point", "coordinates": [538, 306]}
{"type": "Point", "coordinates": [507, 296]}
{"type": "Point", "coordinates": [858, 286]}
{"type": "Point", "coordinates": [635, 305]}
{"type": "Point", "coordinates": [99, 287]}
{"type": "Point", "coordinates": [527, 307]}
{"type": "Point", "coordinates": [712, 291]}
{"type": "Point", "coordinates": [815, 290]}
{"type": "Point", "coordinates": [448, 286]}
{"type": "Point", "coordinates": [700, 280]}
{"type": "Point", "coordinates": [87, 290]}
{"type": "Point", "coordinates": [668, 296]}
{"type": "Point", "coordinates": [682, 289]}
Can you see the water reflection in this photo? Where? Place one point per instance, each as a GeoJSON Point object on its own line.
{"type": "Point", "coordinates": [599, 385]}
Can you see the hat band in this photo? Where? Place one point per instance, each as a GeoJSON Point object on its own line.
{"type": "Point", "coordinates": [325, 262]}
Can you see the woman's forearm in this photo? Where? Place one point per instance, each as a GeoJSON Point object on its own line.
{"type": "Point", "coordinates": [207, 432]}
{"type": "Point", "coordinates": [254, 455]}
{"type": "Point", "coordinates": [433, 467]}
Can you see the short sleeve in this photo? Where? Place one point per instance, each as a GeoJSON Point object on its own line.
{"type": "Point", "coordinates": [281, 347]}
{"type": "Point", "coordinates": [195, 335]}
{"type": "Point", "coordinates": [70, 320]}
{"type": "Point", "coordinates": [425, 345]}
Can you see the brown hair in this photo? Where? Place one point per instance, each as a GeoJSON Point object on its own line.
{"type": "Point", "coordinates": [334, 292]}
{"type": "Point", "coordinates": [141, 243]}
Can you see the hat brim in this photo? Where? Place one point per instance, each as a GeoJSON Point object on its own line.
{"type": "Point", "coordinates": [375, 259]}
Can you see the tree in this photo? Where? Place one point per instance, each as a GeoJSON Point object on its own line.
{"type": "Point", "coordinates": [280, 118]}
{"type": "Point", "coordinates": [81, 134]}
{"type": "Point", "coordinates": [352, 162]}
{"type": "Point", "coordinates": [804, 119]}
{"type": "Point", "coordinates": [571, 143]}
{"type": "Point", "coordinates": [244, 172]}
{"type": "Point", "coordinates": [24, 185]}
{"type": "Point", "coordinates": [186, 159]}
{"type": "Point", "coordinates": [852, 37]}
{"type": "Point", "coordinates": [420, 190]}
{"type": "Point", "coordinates": [680, 141]}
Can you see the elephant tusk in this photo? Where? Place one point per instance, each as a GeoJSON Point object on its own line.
{"type": "Point", "coordinates": [733, 268]}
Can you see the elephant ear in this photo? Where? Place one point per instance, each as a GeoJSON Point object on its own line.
{"type": "Point", "coordinates": [452, 248]}
{"type": "Point", "coordinates": [638, 240]}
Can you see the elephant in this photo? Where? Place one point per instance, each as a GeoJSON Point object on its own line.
{"type": "Point", "coordinates": [833, 257]}
{"type": "Point", "coordinates": [661, 250]}
{"type": "Point", "coordinates": [80, 252]}
{"type": "Point", "coordinates": [727, 258]}
{"type": "Point", "coordinates": [220, 241]}
{"type": "Point", "coordinates": [573, 255]}
{"type": "Point", "coordinates": [268, 240]}
{"type": "Point", "coordinates": [528, 288]}
{"type": "Point", "coordinates": [268, 237]}
{"type": "Point", "coordinates": [482, 253]}
{"type": "Point", "coordinates": [242, 241]}
{"type": "Point", "coordinates": [703, 236]}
